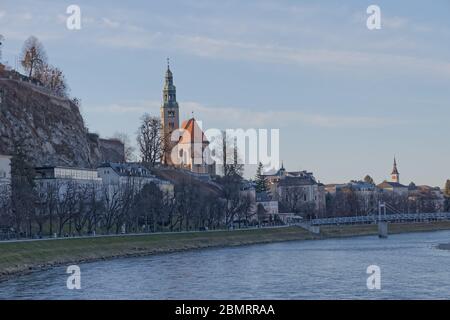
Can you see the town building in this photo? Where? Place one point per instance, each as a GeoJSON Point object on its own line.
{"type": "Point", "coordinates": [108, 176]}
{"type": "Point", "coordinates": [361, 187]}
{"type": "Point", "coordinates": [5, 179]}
{"type": "Point", "coordinates": [394, 186]}
{"type": "Point", "coordinates": [5, 169]}
{"type": "Point", "coordinates": [270, 205]}
{"type": "Point", "coordinates": [426, 199]}
{"type": "Point", "coordinates": [186, 146]}
{"type": "Point", "coordinates": [122, 174]}
{"type": "Point", "coordinates": [300, 187]}
{"type": "Point", "coordinates": [59, 180]}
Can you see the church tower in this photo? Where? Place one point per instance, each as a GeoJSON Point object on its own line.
{"type": "Point", "coordinates": [170, 120]}
{"type": "Point", "coordinates": [395, 175]}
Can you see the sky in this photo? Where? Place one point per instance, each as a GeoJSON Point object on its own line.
{"type": "Point", "coordinates": [346, 99]}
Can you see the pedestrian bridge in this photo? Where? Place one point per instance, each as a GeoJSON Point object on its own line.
{"type": "Point", "coordinates": [393, 218]}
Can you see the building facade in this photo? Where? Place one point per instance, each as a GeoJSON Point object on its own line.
{"type": "Point", "coordinates": [297, 191]}
{"type": "Point", "coordinates": [5, 179]}
{"type": "Point", "coordinates": [134, 174]}
{"type": "Point", "coordinates": [170, 117]}
{"type": "Point", "coordinates": [61, 181]}
{"type": "Point", "coordinates": [394, 186]}
{"type": "Point", "coordinates": [5, 169]}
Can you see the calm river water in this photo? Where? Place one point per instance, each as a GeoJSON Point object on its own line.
{"type": "Point", "coordinates": [411, 268]}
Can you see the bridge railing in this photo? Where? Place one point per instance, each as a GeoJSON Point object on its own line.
{"type": "Point", "coordinates": [406, 217]}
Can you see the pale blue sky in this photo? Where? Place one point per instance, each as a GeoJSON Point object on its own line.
{"type": "Point", "coordinates": [346, 99]}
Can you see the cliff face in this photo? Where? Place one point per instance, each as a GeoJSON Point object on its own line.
{"type": "Point", "coordinates": [51, 129]}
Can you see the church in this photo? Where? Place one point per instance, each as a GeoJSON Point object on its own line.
{"type": "Point", "coordinates": [184, 146]}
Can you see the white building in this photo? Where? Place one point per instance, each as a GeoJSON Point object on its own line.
{"type": "Point", "coordinates": [5, 169]}
{"type": "Point", "coordinates": [284, 185]}
{"type": "Point", "coordinates": [5, 179]}
{"type": "Point", "coordinates": [270, 205]}
{"type": "Point", "coordinates": [61, 178]}
{"type": "Point", "coordinates": [131, 173]}
{"type": "Point", "coordinates": [394, 186]}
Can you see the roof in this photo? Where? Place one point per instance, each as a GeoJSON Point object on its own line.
{"type": "Point", "coordinates": [297, 181]}
{"type": "Point", "coordinates": [63, 167]}
{"type": "Point", "coordinates": [388, 184]}
{"type": "Point", "coordinates": [361, 185]}
{"type": "Point", "coordinates": [282, 172]}
{"type": "Point", "coordinates": [263, 197]}
{"type": "Point", "coordinates": [128, 169]}
{"type": "Point", "coordinates": [394, 170]}
{"type": "Point", "coordinates": [192, 133]}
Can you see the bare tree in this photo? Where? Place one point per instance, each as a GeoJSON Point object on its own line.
{"type": "Point", "coordinates": [33, 56]}
{"type": "Point", "coordinates": [94, 207]}
{"type": "Point", "coordinates": [260, 213]}
{"type": "Point", "coordinates": [149, 139]}
{"type": "Point", "coordinates": [231, 186]}
{"type": "Point", "coordinates": [231, 162]}
{"type": "Point", "coordinates": [291, 199]}
{"type": "Point", "coordinates": [52, 78]}
{"type": "Point", "coordinates": [112, 201]}
{"type": "Point", "coordinates": [186, 202]}
{"type": "Point", "coordinates": [244, 211]}
{"type": "Point", "coordinates": [127, 193]}
{"type": "Point", "coordinates": [65, 205]}
{"type": "Point", "coordinates": [1, 45]}
{"type": "Point", "coordinates": [23, 194]}
{"type": "Point", "coordinates": [129, 149]}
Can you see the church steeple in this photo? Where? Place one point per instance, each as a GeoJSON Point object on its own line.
{"type": "Point", "coordinates": [170, 120]}
{"type": "Point", "coordinates": [395, 175]}
{"type": "Point", "coordinates": [170, 91]}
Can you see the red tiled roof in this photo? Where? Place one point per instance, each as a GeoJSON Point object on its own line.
{"type": "Point", "coordinates": [192, 133]}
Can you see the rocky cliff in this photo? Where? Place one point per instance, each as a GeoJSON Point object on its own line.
{"type": "Point", "coordinates": [51, 129]}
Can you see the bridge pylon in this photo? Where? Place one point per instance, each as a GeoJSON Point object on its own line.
{"type": "Point", "coordinates": [382, 221]}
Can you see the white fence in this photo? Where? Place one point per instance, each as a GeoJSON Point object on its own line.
{"type": "Point", "coordinates": [407, 217]}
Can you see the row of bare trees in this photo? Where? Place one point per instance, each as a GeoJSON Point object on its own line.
{"type": "Point", "coordinates": [32, 207]}
{"type": "Point", "coordinates": [68, 209]}
{"type": "Point", "coordinates": [351, 202]}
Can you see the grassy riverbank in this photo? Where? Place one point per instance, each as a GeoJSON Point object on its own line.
{"type": "Point", "coordinates": [26, 256]}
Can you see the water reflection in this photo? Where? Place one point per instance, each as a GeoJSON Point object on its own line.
{"type": "Point", "coordinates": [411, 268]}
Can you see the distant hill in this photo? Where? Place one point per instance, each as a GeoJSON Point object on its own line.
{"type": "Point", "coordinates": [51, 128]}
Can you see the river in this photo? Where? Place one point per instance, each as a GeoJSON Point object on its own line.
{"type": "Point", "coordinates": [411, 268]}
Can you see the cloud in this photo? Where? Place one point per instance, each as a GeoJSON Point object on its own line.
{"type": "Point", "coordinates": [130, 107]}
{"type": "Point", "coordinates": [245, 118]}
{"type": "Point", "coordinates": [210, 47]}
{"type": "Point", "coordinates": [362, 60]}
{"type": "Point", "coordinates": [110, 23]}
{"type": "Point", "coordinates": [394, 22]}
